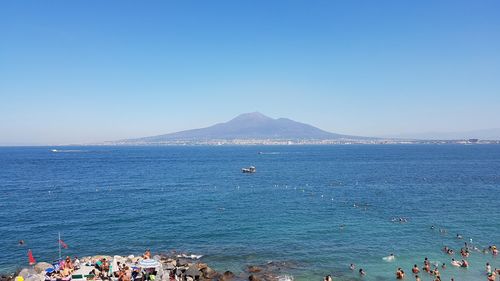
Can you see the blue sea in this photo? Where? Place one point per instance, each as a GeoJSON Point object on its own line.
{"type": "Point", "coordinates": [123, 200]}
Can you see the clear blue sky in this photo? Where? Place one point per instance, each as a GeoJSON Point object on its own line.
{"type": "Point", "coordinates": [85, 71]}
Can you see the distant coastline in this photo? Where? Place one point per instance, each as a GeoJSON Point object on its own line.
{"type": "Point", "coordinates": [267, 142]}
{"type": "Point", "coordinates": [258, 129]}
{"type": "Point", "coordinates": [219, 142]}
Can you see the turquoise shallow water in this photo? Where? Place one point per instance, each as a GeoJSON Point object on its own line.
{"type": "Point", "coordinates": [122, 200]}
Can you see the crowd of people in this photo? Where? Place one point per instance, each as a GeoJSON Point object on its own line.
{"type": "Point", "coordinates": [63, 269]}
{"type": "Point", "coordinates": [434, 269]}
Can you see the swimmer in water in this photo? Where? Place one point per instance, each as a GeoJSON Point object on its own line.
{"type": "Point", "coordinates": [465, 253]}
{"type": "Point", "coordinates": [391, 257]}
{"type": "Point", "coordinates": [436, 272]}
{"type": "Point", "coordinates": [400, 274]}
{"type": "Point", "coordinates": [459, 236]}
{"type": "Point", "coordinates": [362, 272]}
{"type": "Point", "coordinates": [427, 267]}
{"type": "Point", "coordinates": [455, 263]}
{"type": "Point", "coordinates": [352, 266]}
{"type": "Point", "coordinates": [415, 269]}
{"type": "Point", "coordinates": [21, 242]}
{"type": "Point", "coordinates": [417, 278]}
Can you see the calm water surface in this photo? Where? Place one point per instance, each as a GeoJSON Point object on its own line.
{"type": "Point", "coordinates": [122, 200]}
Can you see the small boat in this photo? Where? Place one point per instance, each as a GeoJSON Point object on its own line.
{"type": "Point", "coordinates": [250, 170]}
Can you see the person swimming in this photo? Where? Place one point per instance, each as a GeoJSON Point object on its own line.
{"type": "Point", "coordinates": [362, 272]}
{"type": "Point", "coordinates": [390, 257]}
{"type": "Point", "coordinates": [400, 274]}
{"type": "Point", "coordinates": [415, 269]}
{"type": "Point", "coordinates": [352, 266]}
{"type": "Point", "coordinates": [494, 250]}
{"type": "Point", "coordinates": [21, 242]}
{"type": "Point", "coordinates": [456, 263]}
{"type": "Point", "coordinates": [464, 252]}
{"type": "Point", "coordinates": [436, 272]}
{"type": "Point", "coordinates": [427, 267]}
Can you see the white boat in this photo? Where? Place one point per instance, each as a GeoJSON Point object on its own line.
{"type": "Point", "coordinates": [250, 170]}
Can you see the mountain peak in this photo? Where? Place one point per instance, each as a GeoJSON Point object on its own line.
{"type": "Point", "coordinates": [251, 116]}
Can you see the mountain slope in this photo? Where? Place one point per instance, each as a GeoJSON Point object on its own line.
{"type": "Point", "coordinates": [247, 126]}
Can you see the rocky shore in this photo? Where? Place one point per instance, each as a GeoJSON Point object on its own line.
{"type": "Point", "coordinates": [186, 267]}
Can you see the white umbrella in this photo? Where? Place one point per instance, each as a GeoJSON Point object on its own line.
{"type": "Point", "coordinates": [148, 263]}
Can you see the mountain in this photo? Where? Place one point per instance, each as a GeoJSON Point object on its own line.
{"type": "Point", "coordinates": [246, 126]}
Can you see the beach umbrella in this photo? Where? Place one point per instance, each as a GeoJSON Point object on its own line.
{"type": "Point", "coordinates": [148, 263]}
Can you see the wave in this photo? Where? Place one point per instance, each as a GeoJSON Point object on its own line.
{"type": "Point", "coordinates": [66, 150]}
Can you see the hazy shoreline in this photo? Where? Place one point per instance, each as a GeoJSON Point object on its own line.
{"type": "Point", "coordinates": [277, 143]}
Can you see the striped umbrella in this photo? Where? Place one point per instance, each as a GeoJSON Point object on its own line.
{"type": "Point", "coordinates": [148, 263]}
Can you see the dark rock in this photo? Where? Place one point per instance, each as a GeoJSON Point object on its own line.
{"type": "Point", "coordinates": [208, 273]}
{"type": "Point", "coordinates": [227, 276]}
{"type": "Point", "coordinates": [182, 262]}
{"type": "Point", "coordinates": [42, 266]}
{"type": "Point", "coordinates": [201, 266]}
{"type": "Point", "coordinates": [7, 277]}
{"type": "Point", "coordinates": [253, 278]}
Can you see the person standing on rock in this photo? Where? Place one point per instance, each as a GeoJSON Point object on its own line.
{"type": "Point", "coordinates": [76, 263]}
